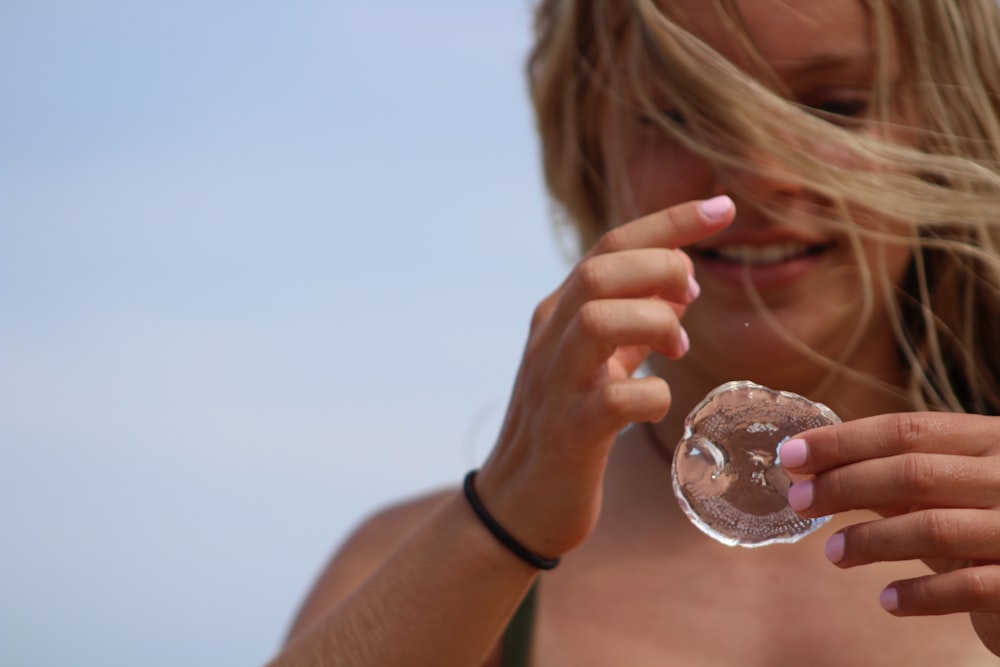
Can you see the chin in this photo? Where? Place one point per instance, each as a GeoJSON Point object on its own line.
{"type": "Point", "coordinates": [784, 350]}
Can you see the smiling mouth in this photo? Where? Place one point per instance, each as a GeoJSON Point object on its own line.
{"type": "Point", "coordinates": [764, 254]}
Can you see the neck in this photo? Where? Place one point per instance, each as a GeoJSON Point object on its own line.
{"type": "Point", "coordinates": [852, 393]}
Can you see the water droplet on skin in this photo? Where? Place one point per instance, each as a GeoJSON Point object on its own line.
{"type": "Point", "coordinates": [726, 472]}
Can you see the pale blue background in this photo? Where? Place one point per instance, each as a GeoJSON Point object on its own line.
{"type": "Point", "coordinates": [264, 266]}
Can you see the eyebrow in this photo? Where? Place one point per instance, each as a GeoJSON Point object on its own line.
{"type": "Point", "coordinates": [821, 63]}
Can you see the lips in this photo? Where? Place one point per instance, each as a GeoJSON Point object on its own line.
{"type": "Point", "coordinates": [763, 254]}
{"type": "Point", "coordinates": [766, 261]}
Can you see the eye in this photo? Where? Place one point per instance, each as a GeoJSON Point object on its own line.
{"type": "Point", "coordinates": [841, 110]}
{"type": "Point", "coordinates": [672, 116]}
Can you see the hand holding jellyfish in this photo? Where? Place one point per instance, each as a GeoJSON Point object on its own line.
{"type": "Point", "coordinates": [726, 472]}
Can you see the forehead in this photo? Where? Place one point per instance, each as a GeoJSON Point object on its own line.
{"type": "Point", "coordinates": [788, 33]}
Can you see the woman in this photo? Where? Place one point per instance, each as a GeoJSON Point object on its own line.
{"type": "Point", "coordinates": [799, 193]}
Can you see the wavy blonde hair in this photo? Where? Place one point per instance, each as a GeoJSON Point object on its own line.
{"type": "Point", "coordinates": [600, 61]}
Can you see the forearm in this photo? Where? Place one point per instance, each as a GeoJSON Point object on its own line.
{"type": "Point", "coordinates": [442, 598]}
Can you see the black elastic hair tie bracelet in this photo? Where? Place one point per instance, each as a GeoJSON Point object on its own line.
{"type": "Point", "coordinates": [502, 535]}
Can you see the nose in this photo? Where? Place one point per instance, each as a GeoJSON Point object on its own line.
{"type": "Point", "coordinates": [761, 175]}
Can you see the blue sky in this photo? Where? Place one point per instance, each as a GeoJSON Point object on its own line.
{"type": "Point", "coordinates": [264, 267]}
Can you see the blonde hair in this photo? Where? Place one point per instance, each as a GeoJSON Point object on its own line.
{"type": "Point", "coordinates": [596, 61]}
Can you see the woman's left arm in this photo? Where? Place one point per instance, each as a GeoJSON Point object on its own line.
{"type": "Point", "coordinates": [935, 480]}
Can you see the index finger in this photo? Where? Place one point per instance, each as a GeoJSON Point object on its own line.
{"type": "Point", "coordinates": [821, 449]}
{"type": "Point", "coordinates": [670, 227]}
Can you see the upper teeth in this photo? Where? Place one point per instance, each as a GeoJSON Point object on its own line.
{"type": "Point", "coordinates": [762, 254]}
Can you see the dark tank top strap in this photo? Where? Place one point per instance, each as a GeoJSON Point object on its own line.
{"type": "Point", "coordinates": [516, 641]}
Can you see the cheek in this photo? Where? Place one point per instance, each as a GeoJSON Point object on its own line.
{"type": "Point", "coordinates": [842, 155]}
{"type": "Point", "coordinates": [662, 176]}
{"type": "Point", "coordinates": [890, 248]}
{"type": "Point", "coordinates": [888, 260]}
{"type": "Point", "coordinates": [895, 258]}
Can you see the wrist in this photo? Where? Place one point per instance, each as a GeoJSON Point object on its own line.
{"type": "Point", "coordinates": [505, 538]}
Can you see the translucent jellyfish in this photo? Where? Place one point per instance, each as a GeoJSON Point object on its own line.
{"type": "Point", "coordinates": [727, 476]}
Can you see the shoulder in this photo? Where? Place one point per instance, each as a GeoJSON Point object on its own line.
{"type": "Point", "coordinates": [382, 532]}
{"type": "Point", "coordinates": [371, 543]}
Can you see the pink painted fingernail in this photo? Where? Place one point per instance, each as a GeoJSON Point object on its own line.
{"type": "Point", "coordinates": [716, 208]}
{"type": "Point", "coordinates": [685, 341]}
{"type": "Point", "coordinates": [694, 289]}
{"type": "Point", "coordinates": [834, 548]}
{"type": "Point", "coordinates": [889, 599]}
{"type": "Point", "coordinates": [793, 453]}
{"type": "Point", "coordinates": [800, 496]}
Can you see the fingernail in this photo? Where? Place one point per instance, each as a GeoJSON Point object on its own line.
{"type": "Point", "coordinates": [800, 496]}
{"type": "Point", "coordinates": [834, 548]}
{"type": "Point", "coordinates": [685, 341]}
{"type": "Point", "coordinates": [793, 453]}
{"type": "Point", "coordinates": [694, 289]}
{"type": "Point", "coordinates": [889, 599]}
{"type": "Point", "coordinates": [716, 208]}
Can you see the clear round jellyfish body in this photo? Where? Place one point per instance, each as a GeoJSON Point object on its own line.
{"type": "Point", "coordinates": [726, 473]}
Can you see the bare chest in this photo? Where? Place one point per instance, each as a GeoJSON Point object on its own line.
{"type": "Point", "coordinates": [704, 612]}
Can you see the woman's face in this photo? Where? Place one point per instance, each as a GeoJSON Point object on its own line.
{"type": "Point", "coordinates": [807, 276]}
